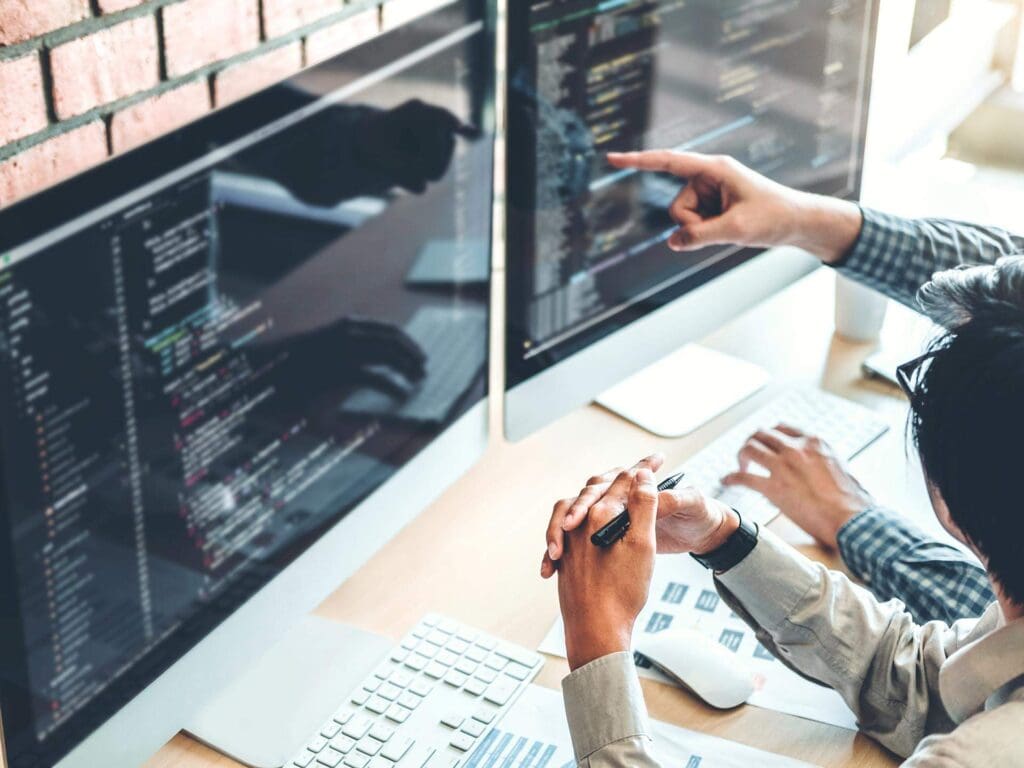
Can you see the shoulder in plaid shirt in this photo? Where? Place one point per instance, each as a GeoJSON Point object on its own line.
{"type": "Point", "coordinates": [897, 256]}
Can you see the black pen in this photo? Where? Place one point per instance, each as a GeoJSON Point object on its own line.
{"type": "Point", "coordinates": [616, 528]}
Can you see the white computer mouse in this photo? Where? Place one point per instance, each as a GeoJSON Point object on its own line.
{"type": "Point", "coordinates": [699, 664]}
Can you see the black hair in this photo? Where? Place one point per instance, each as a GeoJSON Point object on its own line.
{"type": "Point", "coordinates": [967, 413]}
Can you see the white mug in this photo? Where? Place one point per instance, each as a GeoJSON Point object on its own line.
{"type": "Point", "coordinates": [860, 311]}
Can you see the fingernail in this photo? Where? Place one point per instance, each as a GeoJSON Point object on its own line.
{"type": "Point", "coordinates": [552, 551]}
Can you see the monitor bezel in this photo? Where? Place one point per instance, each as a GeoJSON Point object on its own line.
{"type": "Point", "coordinates": [155, 712]}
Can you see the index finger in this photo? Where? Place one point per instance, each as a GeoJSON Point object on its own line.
{"type": "Point", "coordinates": [598, 487]}
{"type": "Point", "coordinates": [682, 164]}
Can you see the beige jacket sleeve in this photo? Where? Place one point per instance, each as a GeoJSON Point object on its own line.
{"type": "Point", "coordinates": [818, 623]}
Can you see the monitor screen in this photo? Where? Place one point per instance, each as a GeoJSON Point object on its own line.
{"type": "Point", "coordinates": [781, 85]}
{"type": "Point", "coordinates": [215, 347]}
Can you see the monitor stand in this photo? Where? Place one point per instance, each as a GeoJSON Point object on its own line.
{"type": "Point", "coordinates": [269, 712]}
{"type": "Point", "coordinates": [681, 392]}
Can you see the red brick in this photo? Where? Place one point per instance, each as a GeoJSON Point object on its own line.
{"type": "Point", "coordinates": [159, 115]}
{"type": "Point", "coordinates": [54, 160]}
{"type": "Point", "coordinates": [332, 40]}
{"type": "Point", "coordinates": [24, 19]}
{"type": "Point", "coordinates": [201, 32]}
{"type": "Point", "coordinates": [398, 12]}
{"type": "Point", "coordinates": [240, 80]}
{"type": "Point", "coordinates": [282, 16]}
{"type": "Point", "coordinates": [22, 106]}
{"type": "Point", "coordinates": [105, 66]}
{"type": "Point", "coordinates": [113, 6]}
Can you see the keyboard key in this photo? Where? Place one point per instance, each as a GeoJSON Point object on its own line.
{"type": "Point", "coordinates": [397, 714]}
{"type": "Point", "coordinates": [416, 757]}
{"type": "Point", "coordinates": [437, 760]}
{"type": "Point", "coordinates": [474, 728]}
{"type": "Point", "coordinates": [410, 642]}
{"type": "Point", "coordinates": [468, 634]}
{"type": "Point", "coordinates": [427, 649]}
{"type": "Point", "coordinates": [453, 720]}
{"type": "Point", "coordinates": [437, 638]}
{"type": "Point", "coordinates": [303, 760]}
{"type": "Point", "coordinates": [409, 700]}
{"type": "Point", "coordinates": [421, 631]}
{"type": "Point", "coordinates": [456, 679]}
{"type": "Point", "coordinates": [466, 667]}
{"type": "Point", "coordinates": [378, 705]}
{"type": "Point", "coordinates": [416, 661]}
{"type": "Point", "coordinates": [487, 643]}
{"type": "Point", "coordinates": [430, 620]}
{"type": "Point", "coordinates": [371, 684]}
{"type": "Point", "coordinates": [369, 746]}
{"type": "Point", "coordinates": [399, 655]}
{"type": "Point", "coordinates": [448, 658]}
{"type": "Point", "coordinates": [343, 744]}
{"type": "Point", "coordinates": [435, 670]}
{"type": "Point", "coordinates": [397, 748]}
{"type": "Point", "coordinates": [421, 687]}
{"type": "Point", "coordinates": [500, 692]}
{"type": "Point", "coordinates": [518, 671]}
{"type": "Point", "coordinates": [474, 687]}
{"type": "Point", "coordinates": [360, 697]}
{"type": "Point", "coordinates": [330, 758]}
{"type": "Point", "coordinates": [317, 744]}
{"type": "Point", "coordinates": [389, 691]}
{"type": "Point", "coordinates": [381, 732]}
{"type": "Point", "coordinates": [343, 715]}
{"type": "Point", "coordinates": [458, 647]}
{"type": "Point", "coordinates": [357, 727]}
{"type": "Point", "coordinates": [484, 715]}
{"type": "Point", "coordinates": [518, 655]}
{"type": "Point", "coordinates": [355, 760]}
{"type": "Point", "coordinates": [497, 663]}
{"type": "Point", "coordinates": [330, 730]}
{"type": "Point", "coordinates": [462, 741]}
{"type": "Point", "coordinates": [401, 678]}
{"type": "Point", "coordinates": [486, 675]}
{"type": "Point", "coordinates": [448, 626]}
{"type": "Point", "coordinates": [384, 671]}
{"type": "Point", "coordinates": [476, 653]}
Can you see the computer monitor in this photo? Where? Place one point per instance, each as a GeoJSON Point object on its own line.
{"type": "Point", "coordinates": [222, 387]}
{"type": "Point", "coordinates": [593, 292]}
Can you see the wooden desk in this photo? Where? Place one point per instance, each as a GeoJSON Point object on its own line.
{"type": "Point", "coordinates": [475, 553]}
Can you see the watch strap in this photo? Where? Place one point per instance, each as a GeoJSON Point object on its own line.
{"type": "Point", "coordinates": [734, 550]}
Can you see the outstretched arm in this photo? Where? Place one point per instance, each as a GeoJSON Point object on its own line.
{"type": "Point", "coordinates": [724, 202]}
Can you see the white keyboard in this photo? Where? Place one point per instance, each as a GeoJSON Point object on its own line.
{"type": "Point", "coordinates": [847, 427]}
{"type": "Point", "coordinates": [435, 697]}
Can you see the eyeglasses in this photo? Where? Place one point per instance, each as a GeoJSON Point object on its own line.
{"type": "Point", "coordinates": [906, 373]}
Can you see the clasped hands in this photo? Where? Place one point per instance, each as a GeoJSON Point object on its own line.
{"type": "Point", "coordinates": [602, 590]}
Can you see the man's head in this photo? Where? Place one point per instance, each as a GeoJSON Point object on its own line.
{"type": "Point", "coordinates": [967, 412]}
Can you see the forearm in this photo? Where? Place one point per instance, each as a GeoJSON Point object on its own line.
{"type": "Point", "coordinates": [830, 630]}
{"type": "Point", "coordinates": [936, 581]}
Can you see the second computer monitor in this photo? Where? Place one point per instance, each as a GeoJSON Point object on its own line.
{"type": "Point", "coordinates": [594, 293]}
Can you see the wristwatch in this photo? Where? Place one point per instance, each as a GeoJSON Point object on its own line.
{"type": "Point", "coordinates": [732, 552]}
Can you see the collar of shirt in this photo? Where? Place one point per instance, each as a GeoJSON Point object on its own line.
{"type": "Point", "coordinates": [983, 674]}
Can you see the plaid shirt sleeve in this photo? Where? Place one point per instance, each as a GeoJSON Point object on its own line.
{"type": "Point", "coordinates": [897, 256]}
{"type": "Point", "coordinates": [897, 560]}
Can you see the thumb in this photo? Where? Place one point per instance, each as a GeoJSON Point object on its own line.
{"type": "Point", "coordinates": [695, 232]}
{"type": "Point", "coordinates": [643, 502]}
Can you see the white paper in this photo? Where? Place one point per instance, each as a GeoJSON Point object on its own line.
{"type": "Point", "coordinates": [535, 734]}
{"type": "Point", "coordinates": [683, 595]}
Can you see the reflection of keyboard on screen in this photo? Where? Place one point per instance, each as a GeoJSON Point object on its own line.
{"type": "Point", "coordinates": [847, 427]}
{"type": "Point", "coordinates": [455, 343]}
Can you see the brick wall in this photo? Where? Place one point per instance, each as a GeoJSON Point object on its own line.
{"type": "Point", "coordinates": [81, 80]}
